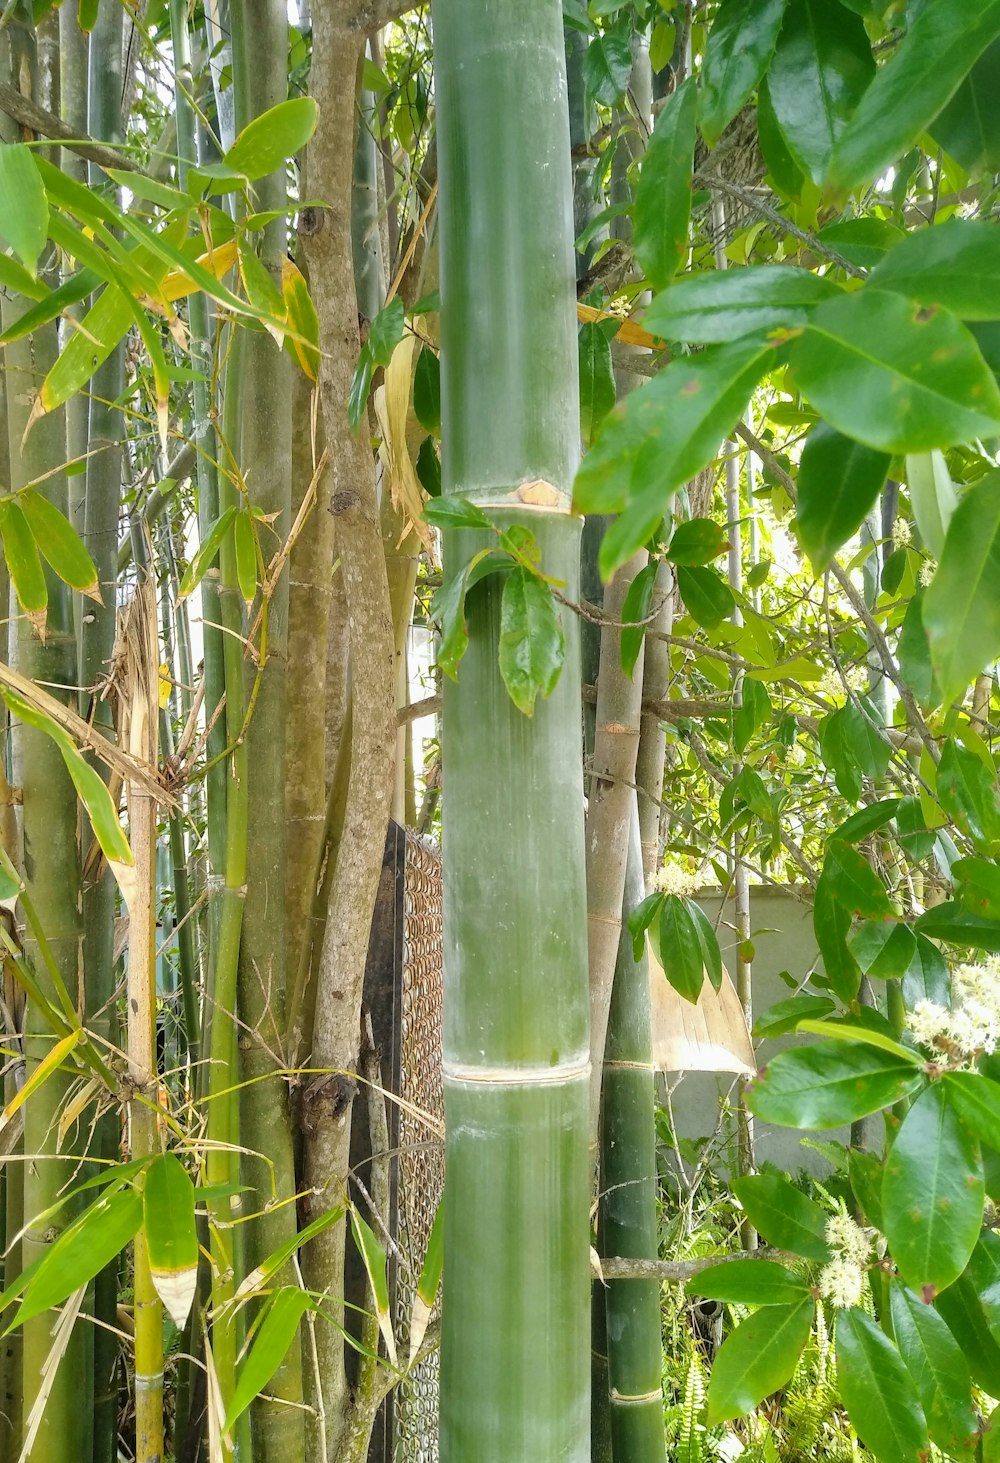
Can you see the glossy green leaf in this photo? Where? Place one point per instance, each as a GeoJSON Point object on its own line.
{"type": "Point", "coordinates": [867, 1026]}
{"type": "Point", "coordinates": [24, 219]}
{"type": "Point", "coordinates": [867, 821]}
{"type": "Point", "coordinates": [636, 607]}
{"type": "Point", "coordinates": [955, 264]}
{"type": "Point", "coordinates": [839, 483]}
{"type": "Point", "coordinates": [749, 1283]}
{"type": "Point", "coordinates": [270, 139]}
{"type": "Point", "coordinates": [856, 885]}
{"type": "Point", "coordinates": [171, 1238]}
{"type": "Point", "coordinates": [783, 1215]}
{"type": "Point", "coordinates": [785, 1016]}
{"type": "Point", "coordinates": [23, 563]}
{"type": "Point", "coordinates": [976, 1100]}
{"type": "Point", "coordinates": [932, 1195]}
{"type": "Point", "coordinates": [977, 886]}
{"type": "Point", "coordinates": [532, 643]}
{"type": "Point", "coordinates": [374, 1257]}
{"type": "Point", "coordinates": [81, 1252]}
{"type": "Point", "coordinates": [950, 922]}
{"type": "Point", "coordinates": [831, 1083]}
{"type": "Point", "coordinates": [597, 379]}
{"type": "Point", "coordinates": [451, 511]}
{"type": "Point", "coordinates": [933, 497]}
{"type": "Point", "coordinates": [961, 1309]}
{"type": "Point", "coordinates": [911, 88]}
{"type": "Point", "coordinates": [706, 595]}
{"type": "Point", "coordinates": [270, 1346]}
{"type": "Point", "coordinates": [880, 1395]}
{"type": "Point", "coordinates": [427, 391]}
{"type": "Point", "coordinates": [864, 241]}
{"type": "Point", "coordinates": [59, 543]}
{"type": "Point", "coordinates": [969, 126]}
{"type": "Point", "coordinates": [984, 1272]}
{"type": "Point", "coordinates": [721, 305]}
{"type": "Point", "coordinates": [207, 550]}
{"type": "Point", "coordinates": [607, 65]}
{"type": "Point", "coordinates": [246, 555]}
{"type": "Point", "coordinates": [926, 978]}
{"type": "Point", "coordinates": [913, 653]}
{"type": "Point", "coordinates": [783, 171]}
{"type": "Point", "coordinates": [740, 44]}
{"type": "Point", "coordinates": [640, 919]}
{"type": "Point", "coordinates": [894, 375]}
{"type": "Point", "coordinates": [448, 609]}
{"type": "Point", "coordinates": [753, 713]}
{"type": "Point", "coordinates": [831, 926]}
{"type": "Point", "coordinates": [968, 793]}
{"type": "Point", "coordinates": [883, 948]}
{"type": "Point", "coordinates": [697, 541]}
{"type": "Point", "coordinates": [865, 1173]}
{"type": "Point", "coordinates": [386, 331]}
{"type": "Point", "coordinates": [663, 193]}
{"type": "Point", "coordinates": [821, 68]}
{"type": "Point", "coordinates": [837, 754]}
{"type": "Point", "coordinates": [962, 607]}
{"type": "Point", "coordinates": [679, 948]}
{"type": "Point", "coordinates": [757, 1358]}
{"type": "Point", "coordinates": [709, 941]}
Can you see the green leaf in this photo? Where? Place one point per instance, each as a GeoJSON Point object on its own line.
{"type": "Point", "coordinates": [869, 748]}
{"type": "Point", "coordinates": [637, 605]}
{"type": "Point", "coordinates": [697, 541]}
{"type": "Point", "coordinates": [721, 305]}
{"type": "Point", "coordinates": [429, 468]}
{"type": "Point", "coordinates": [862, 241]}
{"type": "Point", "coordinates": [837, 754]}
{"type": "Point", "coordinates": [955, 264]}
{"type": "Point", "coordinates": [856, 885]}
{"type": "Point", "coordinates": [833, 1083]}
{"type": "Point", "coordinates": [639, 920]}
{"type": "Point", "coordinates": [706, 595]}
{"type": "Point", "coordinates": [831, 926]}
{"type": "Point", "coordinates": [953, 924]}
{"type": "Point", "coordinates": [207, 550]}
{"type": "Point", "coordinates": [866, 1026]}
{"type": "Point", "coordinates": [913, 652]}
{"type": "Point", "coordinates": [427, 391]}
{"type": "Point", "coordinates": [911, 88]}
{"type": "Point", "coordinates": [865, 1173]}
{"type": "Point", "coordinates": [786, 1217]}
{"type": "Point", "coordinates": [24, 220]}
{"type": "Point", "coordinates": [740, 44]}
{"type": "Point", "coordinates": [16, 279]}
{"type": "Point", "coordinates": [883, 948]}
{"type": "Point", "coordinates": [532, 643]}
{"type": "Point", "coordinates": [23, 563]}
{"type": "Point", "coordinates": [60, 544]}
{"type": "Point", "coordinates": [374, 1257]}
{"type": "Point", "coordinates": [171, 1237]}
{"type": "Point", "coordinates": [961, 1309]}
{"type": "Point", "coordinates": [709, 940]}
{"type": "Point", "coordinates": [81, 1252]}
{"type": "Point", "coordinates": [246, 555]}
{"type": "Point", "coordinates": [270, 1346]}
{"type": "Point", "coordinates": [597, 379]}
{"type": "Point", "coordinates": [927, 978]}
{"type": "Point", "coordinates": [785, 1016]}
{"type": "Point", "coordinates": [607, 65]}
{"type": "Point", "coordinates": [104, 327]}
{"type": "Point", "coordinates": [933, 497]}
{"type": "Point", "coordinates": [428, 1284]}
{"type": "Point", "coordinates": [754, 712]}
{"type": "Point", "coordinates": [867, 821]}
{"type": "Point", "coordinates": [894, 375]}
{"type": "Point", "coordinates": [976, 1100]}
{"type": "Point", "coordinates": [968, 793]}
{"type": "Point", "coordinates": [961, 612]}
{"type": "Point", "coordinates": [880, 1395]}
{"type": "Point", "coordinates": [679, 948]}
{"type": "Point", "coordinates": [977, 886]}
{"type": "Point", "coordinates": [757, 1358]}
{"type": "Point", "coordinates": [661, 438]}
{"type": "Point", "coordinates": [749, 1283]}
{"type": "Point", "coordinates": [969, 127]}
{"type": "Point", "coordinates": [932, 1195]}
{"type": "Point", "coordinates": [984, 1272]}
{"type": "Point", "coordinates": [663, 193]}
{"type": "Point", "coordinates": [782, 169]}
{"type": "Point", "coordinates": [839, 483]}
{"type": "Point", "coordinates": [451, 511]}
{"type": "Point", "coordinates": [270, 139]}
{"type": "Point", "coordinates": [448, 609]}
{"type": "Point", "coordinates": [821, 68]}
{"type": "Point", "coordinates": [386, 331]}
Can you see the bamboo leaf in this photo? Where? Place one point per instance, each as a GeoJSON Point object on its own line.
{"type": "Point", "coordinates": [532, 644]}
{"type": "Point", "coordinates": [940, 1372]}
{"type": "Point", "coordinates": [740, 44]}
{"type": "Point", "coordinates": [81, 1252]}
{"type": "Point", "coordinates": [260, 1275]}
{"type": "Point", "coordinates": [749, 1282]}
{"type": "Point", "coordinates": [663, 193]}
{"type": "Point", "coordinates": [270, 1346]}
{"type": "Point", "coordinates": [961, 611]}
{"type": "Point", "coordinates": [303, 340]}
{"type": "Point", "coordinates": [932, 1195]}
{"type": "Point", "coordinates": [209, 547]}
{"type": "Point", "coordinates": [171, 1238]}
{"type": "Point", "coordinates": [834, 1083]}
{"type": "Point", "coordinates": [15, 278]}
{"type": "Point", "coordinates": [59, 543]}
{"type": "Point", "coordinates": [50, 1063]}
{"type": "Point", "coordinates": [23, 563]}
{"type": "Point", "coordinates": [373, 1255]}
{"type": "Point", "coordinates": [879, 1393]}
{"type": "Point", "coordinates": [266, 142]}
{"type": "Point", "coordinates": [24, 221]}
{"type": "Point", "coordinates": [246, 555]}
{"type": "Point", "coordinates": [785, 1216]}
{"type": "Point", "coordinates": [839, 482]}
{"type": "Point", "coordinates": [758, 1358]}
{"type": "Point", "coordinates": [428, 1284]}
{"type": "Point", "coordinates": [911, 88]}
{"type": "Point", "coordinates": [103, 328]}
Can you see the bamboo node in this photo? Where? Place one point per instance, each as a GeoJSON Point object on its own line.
{"type": "Point", "coordinates": [638, 1399]}
{"type": "Point", "coordinates": [575, 1070]}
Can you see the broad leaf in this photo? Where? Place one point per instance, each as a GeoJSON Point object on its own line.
{"type": "Point", "coordinates": [962, 607]}
{"type": "Point", "coordinates": [950, 922]}
{"type": "Point", "coordinates": [451, 511]}
{"type": "Point", "coordinates": [933, 497]}
{"type": "Point", "coordinates": [831, 1083]}
{"type": "Point", "coordinates": [427, 390]}
{"type": "Point", "coordinates": [740, 44]}
{"type": "Point", "coordinates": [968, 793]}
{"type": "Point", "coordinates": [926, 978]}
{"type": "Point", "coordinates": [783, 171]}
{"type": "Point", "coordinates": [932, 1196]}
{"type": "Point", "coordinates": [934, 1360]}
{"type": "Point", "coordinates": [821, 69]}
{"type": "Point", "coordinates": [912, 87]}
{"type": "Point", "coordinates": [786, 1217]}
{"type": "Point", "coordinates": [894, 375]}
{"type": "Point", "coordinates": [969, 127]}
{"type": "Point", "coordinates": [955, 264]}
{"type": "Point", "coordinates": [636, 607]}
{"type": "Point", "coordinates": [961, 1308]}
{"type": "Point", "coordinates": [883, 948]}
{"type": "Point", "coordinates": [976, 1100]}
{"type": "Point", "coordinates": [785, 1016]}
{"type": "Point", "coordinates": [532, 643]}
{"type": "Point", "coordinates": [758, 1358]}
{"type": "Point", "coordinates": [867, 821]}
{"type": "Point", "coordinates": [913, 653]}
{"type": "Point", "coordinates": [663, 193]}
{"type": "Point", "coordinates": [171, 1238]}
{"type": "Point", "coordinates": [720, 305]}
{"type": "Point", "coordinates": [977, 886]}
{"type": "Point", "coordinates": [709, 941]}
{"type": "Point", "coordinates": [865, 1173]}
{"type": "Point", "coordinates": [855, 884]}
{"type": "Point", "coordinates": [607, 65]}
{"type": "Point", "coordinates": [597, 380]}
{"type": "Point", "coordinates": [749, 1282]}
{"type": "Point", "coordinates": [880, 1395]}
{"type": "Point", "coordinates": [679, 948]}
{"type": "Point", "coordinates": [706, 595]}
{"type": "Point", "coordinates": [24, 219]}
{"type": "Point", "coordinates": [864, 241]}
{"type": "Point", "coordinates": [270, 139]}
{"type": "Point", "coordinates": [839, 483]}
{"type": "Point", "coordinates": [697, 541]}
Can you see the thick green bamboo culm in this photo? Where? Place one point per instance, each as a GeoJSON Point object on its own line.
{"type": "Point", "coordinates": [628, 1196]}
{"type": "Point", "coordinates": [515, 1346]}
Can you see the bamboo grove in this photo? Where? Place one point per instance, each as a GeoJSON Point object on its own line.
{"type": "Point", "coordinates": [509, 324]}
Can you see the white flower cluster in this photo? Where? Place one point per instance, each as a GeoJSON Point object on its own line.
{"type": "Point", "coordinates": [855, 678]}
{"type": "Point", "coordinates": [901, 535]}
{"type": "Point", "coordinates": [672, 880]}
{"type": "Point", "coordinates": [926, 572]}
{"type": "Point", "coordinates": [841, 1280]}
{"type": "Point", "coordinates": [973, 1023]}
{"type": "Point", "coordinates": [795, 756]}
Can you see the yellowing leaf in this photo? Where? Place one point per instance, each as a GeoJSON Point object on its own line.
{"type": "Point", "coordinates": [43, 1071]}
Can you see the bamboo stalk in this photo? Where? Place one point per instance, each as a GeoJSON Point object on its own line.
{"type": "Point", "coordinates": [514, 1360]}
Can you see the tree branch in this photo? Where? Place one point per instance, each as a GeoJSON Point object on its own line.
{"type": "Point", "coordinates": [677, 1272]}
{"type": "Point", "coordinates": [29, 114]}
{"type": "Point", "coordinates": [372, 15]}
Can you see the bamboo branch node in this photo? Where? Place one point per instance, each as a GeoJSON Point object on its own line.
{"type": "Point", "coordinates": [575, 1070]}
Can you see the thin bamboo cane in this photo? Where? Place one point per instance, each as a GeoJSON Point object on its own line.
{"type": "Point", "coordinates": [514, 1362]}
